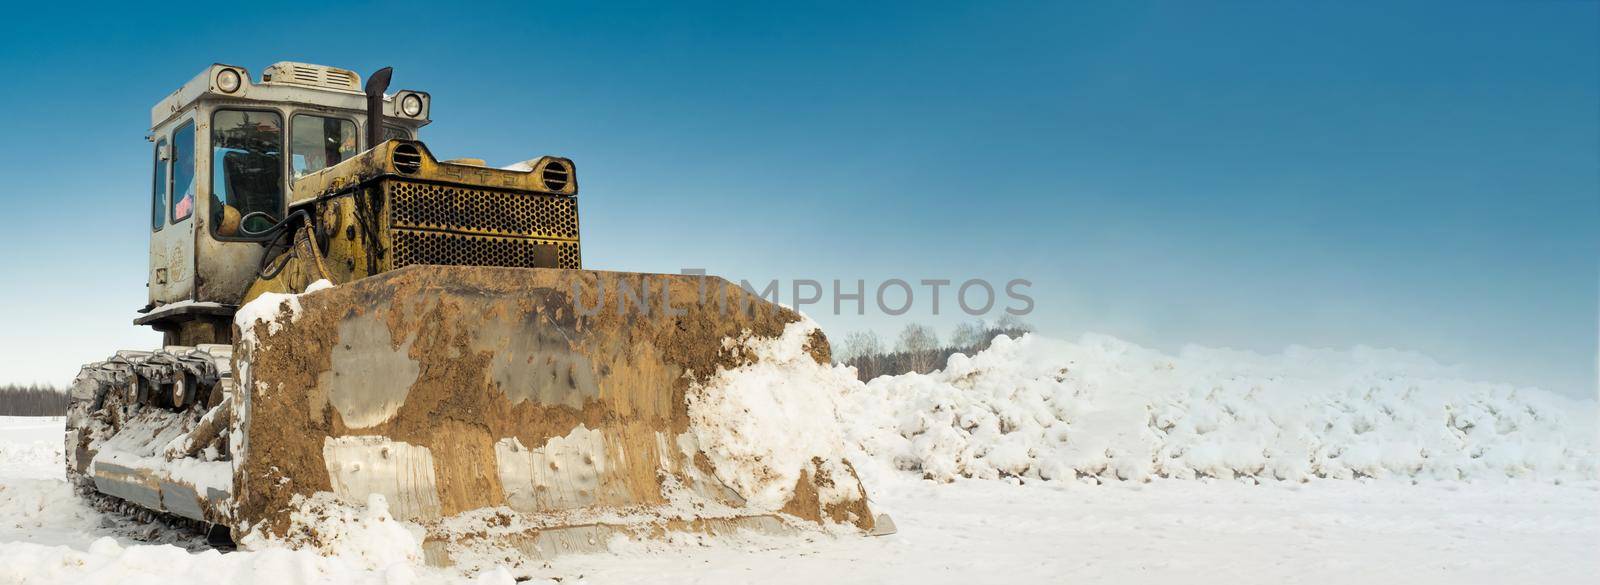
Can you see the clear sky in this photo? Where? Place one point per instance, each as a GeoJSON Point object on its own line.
{"type": "Point", "coordinates": [1252, 175]}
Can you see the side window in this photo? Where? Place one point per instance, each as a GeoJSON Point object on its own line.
{"type": "Point", "coordinates": [246, 171]}
{"type": "Point", "coordinates": [158, 188]}
{"type": "Point", "coordinates": [319, 142]}
{"type": "Point", "coordinates": [183, 172]}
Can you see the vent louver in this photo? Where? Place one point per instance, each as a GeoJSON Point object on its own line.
{"type": "Point", "coordinates": [555, 176]}
{"type": "Point", "coordinates": [406, 159]}
{"type": "Point", "coordinates": [308, 75]}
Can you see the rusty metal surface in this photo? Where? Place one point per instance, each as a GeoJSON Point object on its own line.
{"type": "Point", "coordinates": [369, 217]}
{"type": "Point", "coordinates": [451, 390]}
{"type": "Point", "coordinates": [380, 161]}
{"type": "Point", "coordinates": [293, 271]}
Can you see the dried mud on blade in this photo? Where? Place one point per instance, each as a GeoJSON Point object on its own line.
{"type": "Point", "coordinates": [542, 410]}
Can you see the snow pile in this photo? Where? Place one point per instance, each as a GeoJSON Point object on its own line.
{"type": "Point", "coordinates": [763, 423]}
{"type": "Point", "coordinates": [29, 444]}
{"type": "Point", "coordinates": [31, 456]}
{"type": "Point", "coordinates": [31, 472]}
{"type": "Point", "coordinates": [34, 499]}
{"type": "Point", "coordinates": [1102, 409]}
{"type": "Point", "coordinates": [365, 537]}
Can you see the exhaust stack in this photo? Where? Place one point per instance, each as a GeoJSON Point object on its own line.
{"type": "Point", "coordinates": [377, 83]}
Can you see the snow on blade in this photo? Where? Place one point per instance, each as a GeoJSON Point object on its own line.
{"type": "Point", "coordinates": [272, 309]}
{"type": "Point", "coordinates": [763, 423]}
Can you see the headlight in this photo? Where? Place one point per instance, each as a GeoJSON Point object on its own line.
{"type": "Point", "coordinates": [228, 81]}
{"type": "Point", "coordinates": [411, 105]}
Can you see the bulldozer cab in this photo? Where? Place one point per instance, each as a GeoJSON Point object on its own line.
{"type": "Point", "coordinates": [226, 150]}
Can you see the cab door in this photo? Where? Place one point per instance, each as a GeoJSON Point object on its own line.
{"type": "Point", "coordinates": [174, 196]}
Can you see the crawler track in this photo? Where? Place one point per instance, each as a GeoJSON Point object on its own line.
{"type": "Point", "coordinates": [169, 405]}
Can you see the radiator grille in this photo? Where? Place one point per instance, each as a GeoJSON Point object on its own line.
{"type": "Point", "coordinates": [462, 209]}
{"type": "Point", "coordinates": [420, 247]}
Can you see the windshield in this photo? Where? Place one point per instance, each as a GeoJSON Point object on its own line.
{"type": "Point", "coordinates": [395, 133]}
{"type": "Point", "coordinates": [320, 142]}
{"type": "Point", "coordinates": [247, 170]}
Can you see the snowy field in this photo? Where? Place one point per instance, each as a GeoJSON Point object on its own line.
{"type": "Point", "coordinates": [1038, 461]}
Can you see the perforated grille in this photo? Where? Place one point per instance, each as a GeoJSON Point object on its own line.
{"type": "Point", "coordinates": [459, 209]}
{"type": "Point", "coordinates": [417, 247]}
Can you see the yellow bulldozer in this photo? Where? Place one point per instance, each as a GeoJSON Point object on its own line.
{"type": "Point", "coordinates": [343, 315]}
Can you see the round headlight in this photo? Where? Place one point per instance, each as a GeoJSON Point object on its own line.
{"type": "Point", "coordinates": [411, 105]}
{"type": "Point", "coordinates": [228, 81]}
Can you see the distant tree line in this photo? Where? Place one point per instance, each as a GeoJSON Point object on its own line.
{"type": "Point", "coordinates": [917, 349]}
{"type": "Point", "coordinates": [32, 400]}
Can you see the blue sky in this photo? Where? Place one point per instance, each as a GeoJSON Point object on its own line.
{"type": "Point", "coordinates": [1252, 175]}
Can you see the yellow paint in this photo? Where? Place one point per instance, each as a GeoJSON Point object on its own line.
{"type": "Point", "coordinates": [351, 235]}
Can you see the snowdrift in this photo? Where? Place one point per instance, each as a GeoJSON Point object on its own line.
{"type": "Point", "coordinates": [1102, 409]}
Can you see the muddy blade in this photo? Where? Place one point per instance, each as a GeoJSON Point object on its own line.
{"type": "Point", "coordinates": [548, 401]}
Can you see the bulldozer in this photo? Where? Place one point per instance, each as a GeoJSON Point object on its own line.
{"type": "Point", "coordinates": [343, 314]}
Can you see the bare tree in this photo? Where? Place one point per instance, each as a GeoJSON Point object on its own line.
{"type": "Point", "coordinates": [920, 345]}
{"type": "Point", "coordinates": [916, 337]}
{"type": "Point", "coordinates": [970, 334]}
{"type": "Point", "coordinates": [1011, 326]}
{"type": "Point", "coordinates": [858, 345]}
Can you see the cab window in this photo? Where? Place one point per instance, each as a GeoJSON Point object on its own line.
{"type": "Point", "coordinates": [158, 188]}
{"type": "Point", "coordinates": [319, 142]}
{"type": "Point", "coordinates": [395, 133]}
{"type": "Point", "coordinates": [247, 171]}
{"type": "Point", "coordinates": [183, 186]}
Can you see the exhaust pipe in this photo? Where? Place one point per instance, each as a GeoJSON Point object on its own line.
{"type": "Point", "coordinates": [377, 83]}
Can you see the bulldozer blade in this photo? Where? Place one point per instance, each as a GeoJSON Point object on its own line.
{"type": "Point", "coordinates": [538, 409]}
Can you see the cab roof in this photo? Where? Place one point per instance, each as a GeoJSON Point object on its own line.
{"type": "Point", "coordinates": [285, 82]}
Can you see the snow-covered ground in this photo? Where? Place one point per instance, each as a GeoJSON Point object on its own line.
{"type": "Point", "coordinates": [1039, 461]}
